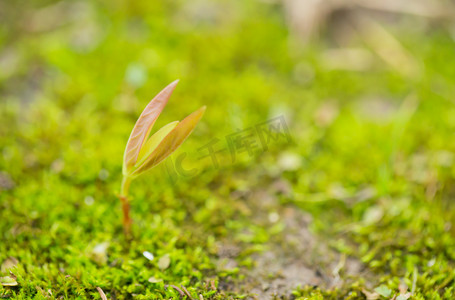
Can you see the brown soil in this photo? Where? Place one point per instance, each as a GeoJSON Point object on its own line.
{"type": "Point", "coordinates": [293, 258]}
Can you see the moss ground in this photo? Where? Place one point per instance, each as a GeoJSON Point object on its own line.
{"type": "Point", "coordinates": [360, 199]}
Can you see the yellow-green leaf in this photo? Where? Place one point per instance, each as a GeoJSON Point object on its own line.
{"type": "Point", "coordinates": [154, 141]}
{"type": "Point", "coordinates": [171, 142]}
{"type": "Point", "coordinates": [144, 125]}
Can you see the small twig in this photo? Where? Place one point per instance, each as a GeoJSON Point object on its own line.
{"type": "Point", "coordinates": [212, 284]}
{"type": "Point", "coordinates": [387, 47]}
{"type": "Point", "coordinates": [102, 294]}
{"type": "Point", "coordinates": [186, 292]}
{"type": "Point", "coordinates": [182, 294]}
{"type": "Point", "coordinates": [339, 266]}
{"type": "Point", "coordinates": [420, 9]}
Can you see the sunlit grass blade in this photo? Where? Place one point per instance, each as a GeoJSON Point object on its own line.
{"type": "Point", "coordinates": [144, 125]}
{"type": "Point", "coordinates": [172, 141]}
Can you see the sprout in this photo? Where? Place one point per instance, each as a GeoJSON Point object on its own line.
{"type": "Point", "coordinates": [144, 152]}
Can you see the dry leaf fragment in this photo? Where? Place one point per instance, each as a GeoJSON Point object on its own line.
{"type": "Point", "coordinates": [9, 263]}
{"type": "Point", "coordinates": [370, 295]}
{"type": "Point", "coordinates": [9, 280]}
{"type": "Point", "coordinates": [154, 280]}
{"type": "Point", "coordinates": [148, 255]}
{"type": "Point", "coordinates": [164, 262]}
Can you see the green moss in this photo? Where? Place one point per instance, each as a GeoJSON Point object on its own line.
{"type": "Point", "coordinates": [377, 180]}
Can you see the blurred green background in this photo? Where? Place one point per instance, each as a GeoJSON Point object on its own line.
{"type": "Point", "coordinates": [359, 205]}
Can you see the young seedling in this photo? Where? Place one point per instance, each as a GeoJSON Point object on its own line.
{"type": "Point", "coordinates": [144, 152]}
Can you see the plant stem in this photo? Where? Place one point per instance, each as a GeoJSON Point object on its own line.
{"type": "Point", "coordinates": [126, 206]}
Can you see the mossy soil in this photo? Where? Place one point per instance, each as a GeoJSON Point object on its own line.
{"type": "Point", "coordinates": [359, 203]}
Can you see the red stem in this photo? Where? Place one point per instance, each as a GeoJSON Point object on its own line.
{"type": "Point", "coordinates": [126, 216]}
{"type": "Point", "coordinates": [126, 207]}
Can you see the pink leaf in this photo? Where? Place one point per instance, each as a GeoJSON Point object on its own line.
{"type": "Point", "coordinates": [144, 125]}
